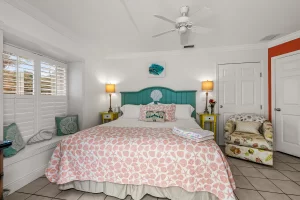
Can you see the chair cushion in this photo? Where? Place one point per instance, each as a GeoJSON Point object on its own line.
{"type": "Point", "coordinates": [249, 140]}
{"type": "Point", "coordinates": [248, 127]}
{"type": "Point", "coordinates": [247, 117]}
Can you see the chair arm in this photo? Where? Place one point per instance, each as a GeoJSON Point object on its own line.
{"type": "Point", "coordinates": [229, 128]}
{"type": "Point", "coordinates": [267, 130]}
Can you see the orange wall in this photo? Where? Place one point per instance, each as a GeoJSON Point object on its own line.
{"type": "Point", "coordinates": [281, 49]}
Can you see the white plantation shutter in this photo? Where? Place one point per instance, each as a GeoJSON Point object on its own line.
{"type": "Point", "coordinates": [35, 91]}
{"type": "Point", "coordinates": [18, 74]}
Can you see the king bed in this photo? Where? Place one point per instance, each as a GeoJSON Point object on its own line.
{"type": "Point", "coordinates": [130, 156]}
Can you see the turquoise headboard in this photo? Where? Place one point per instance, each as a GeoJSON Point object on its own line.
{"type": "Point", "coordinates": [168, 96]}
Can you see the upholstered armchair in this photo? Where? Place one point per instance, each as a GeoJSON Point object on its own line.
{"type": "Point", "coordinates": [249, 146]}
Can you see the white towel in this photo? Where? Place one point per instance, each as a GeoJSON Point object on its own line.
{"type": "Point", "coordinates": [198, 135]}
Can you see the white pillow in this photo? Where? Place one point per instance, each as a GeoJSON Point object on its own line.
{"type": "Point", "coordinates": [130, 111]}
{"type": "Point", "coordinates": [183, 111]}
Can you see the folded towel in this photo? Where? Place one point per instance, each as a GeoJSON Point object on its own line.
{"type": "Point", "coordinates": [198, 135]}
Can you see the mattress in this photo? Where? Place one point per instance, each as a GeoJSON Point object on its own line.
{"type": "Point", "coordinates": [137, 158]}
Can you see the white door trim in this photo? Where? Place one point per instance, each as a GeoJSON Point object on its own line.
{"type": "Point", "coordinates": [217, 89]}
{"type": "Point", "coordinates": [273, 83]}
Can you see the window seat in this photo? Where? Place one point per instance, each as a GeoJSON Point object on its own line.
{"type": "Point", "coordinates": [31, 150]}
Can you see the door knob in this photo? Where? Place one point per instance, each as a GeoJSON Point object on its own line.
{"type": "Point", "coordinates": [221, 106]}
{"type": "Point", "coordinates": [277, 109]}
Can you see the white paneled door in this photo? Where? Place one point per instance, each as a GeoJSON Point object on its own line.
{"type": "Point", "coordinates": [239, 91]}
{"type": "Point", "coordinates": [287, 104]}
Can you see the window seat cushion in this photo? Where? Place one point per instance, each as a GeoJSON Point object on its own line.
{"type": "Point", "coordinates": [31, 150]}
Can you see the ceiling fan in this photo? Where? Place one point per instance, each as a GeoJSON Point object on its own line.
{"type": "Point", "coordinates": [183, 25]}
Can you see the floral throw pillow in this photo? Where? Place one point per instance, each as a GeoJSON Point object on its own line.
{"type": "Point", "coordinates": [168, 109]}
{"type": "Point", "coordinates": [155, 116]}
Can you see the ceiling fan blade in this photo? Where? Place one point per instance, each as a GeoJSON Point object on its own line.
{"type": "Point", "coordinates": [205, 12]}
{"type": "Point", "coordinates": [165, 19]}
{"type": "Point", "coordinates": [129, 15]}
{"type": "Point", "coordinates": [200, 30]}
{"type": "Point", "coordinates": [184, 38]}
{"type": "Point", "coordinates": [164, 33]}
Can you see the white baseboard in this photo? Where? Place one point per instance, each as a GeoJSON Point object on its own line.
{"type": "Point", "coordinates": [14, 186]}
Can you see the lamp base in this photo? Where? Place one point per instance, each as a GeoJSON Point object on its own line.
{"type": "Point", "coordinates": [206, 111]}
{"type": "Point", "coordinates": [110, 110]}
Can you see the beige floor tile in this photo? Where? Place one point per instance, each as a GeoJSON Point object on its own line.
{"type": "Point", "coordinates": [90, 196]}
{"type": "Point", "coordinates": [251, 172]}
{"type": "Point", "coordinates": [274, 196]}
{"type": "Point", "coordinates": [244, 194]}
{"type": "Point", "coordinates": [50, 190]}
{"type": "Point", "coordinates": [34, 186]}
{"type": "Point", "coordinates": [34, 197]}
{"type": "Point", "coordinates": [240, 163]}
{"type": "Point", "coordinates": [149, 197]}
{"type": "Point", "coordinates": [242, 182]}
{"type": "Point", "coordinates": [264, 185]}
{"type": "Point", "coordinates": [277, 160]}
{"type": "Point", "coordinates": [273, 174]}
{"type": "Point", "coordinates": [261, 166]}
{"type": "Point", "coordinates": [162, 199]}
{"type": "Point", "coordinates": [283, 167]}
{"type": "Point", "coordinates": [295, 166]}
{"type": "Point", "coordinates": [288, 187]}
{"type": "Point", "coordinates": [17, 196]}
{"type": "Point", "coordinates": [235, 170]}
{"type": "Point", "coordinates": [288, 159]}
{"type": "Point", "coordinates": [70, 194]}
{"type": "Point", "coordinates": [294, 176]}
{"type": "Point", "coordinates": [293, 197]}
{"type": "Point", "coordinates": [111, 198]}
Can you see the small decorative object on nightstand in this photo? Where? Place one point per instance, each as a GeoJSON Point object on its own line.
{"type": "Point", "coordinates": [212, 119]}
{"type": "Point", "coordinates": [110, 88]}
{"type": "Point", "coordinates": [207, 86]}
{"type": "Point", "coordinates": [108, 116]}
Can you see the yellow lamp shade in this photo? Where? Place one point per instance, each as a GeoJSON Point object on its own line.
{"type": "Point", "coordinates": [110, 88]}
{"type": "Point", "coordinates": [207, 85]}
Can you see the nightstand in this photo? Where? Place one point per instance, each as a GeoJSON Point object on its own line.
{"type": "Point", "coordinates": [108, 116]}
{"type": "Point", "coordinates": [212, 119]}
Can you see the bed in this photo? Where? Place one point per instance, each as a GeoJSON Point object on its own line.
{"type": "Point", "coordinates": [133, 157]}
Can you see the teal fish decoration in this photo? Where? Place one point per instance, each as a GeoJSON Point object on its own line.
{"type": "Point", "coordinates": [156, 69]}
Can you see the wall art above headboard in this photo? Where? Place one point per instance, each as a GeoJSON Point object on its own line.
{"type": "Point", "coordinates": [161, 95]}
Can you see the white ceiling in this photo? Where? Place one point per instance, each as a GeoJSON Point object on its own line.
{"type": "Point", "coordinates": [235, 22]}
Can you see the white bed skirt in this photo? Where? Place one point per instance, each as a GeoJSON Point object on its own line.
{"type": "Point", "coordinates": [136, 191]}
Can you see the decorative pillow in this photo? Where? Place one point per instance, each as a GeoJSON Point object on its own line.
{"type": "Point", "coordinates": [13, 134]}
{"type": "Point", "coordinates": [248, 127]}
{"type": "Point", "coordinates": [168, 109]}
{"type": "Point", "coordinates": [66, 125]}
{"type": "Point", "coordinates": [155, 116]}
{"type": "Point", "coordinates": [41, 136]}
{"type": "Point", "coordinates": [131, 111]}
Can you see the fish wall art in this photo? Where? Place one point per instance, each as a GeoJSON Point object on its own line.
{"type": "Point", "coordinates": [157, 70]}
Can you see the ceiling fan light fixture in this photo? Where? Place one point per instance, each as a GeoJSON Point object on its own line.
{"type": "Point", "coordinates": [182, 29]}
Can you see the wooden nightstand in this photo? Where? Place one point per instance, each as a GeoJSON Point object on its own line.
{"type": "Point", "coordinates": [108, 116]}
{"type": "Point", "coordinates": [212, 119]}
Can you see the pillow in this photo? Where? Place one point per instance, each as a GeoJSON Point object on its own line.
{"type": "Point", "coordinates": [66, 125]}
{"type": "Point", "coordinates": [247, 127]}
{"type": "Point", "coordinates": [131, 111]}
{"type": "Point", "coordinates": [13, 134]}
{"type": "Point", "coordinates": [168, 109]}
{"type": "Point", "coordinates": [41, 136]}
{"type": "Point", "coordinates": [184, 111]}
{"type": "Point", "coordinates": [155, 116]}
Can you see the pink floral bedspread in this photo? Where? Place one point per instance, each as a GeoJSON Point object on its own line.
{"type": "Point", "coordinates": [150, 156]}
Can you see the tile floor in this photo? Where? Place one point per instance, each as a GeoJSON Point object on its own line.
{"type": "Point", "coordinates": [254, 182]}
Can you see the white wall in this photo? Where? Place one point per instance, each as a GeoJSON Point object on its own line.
{"type": "Point", "coordinates": [75, 90]}
{"type": "Point", "coordinates": [184, 71]}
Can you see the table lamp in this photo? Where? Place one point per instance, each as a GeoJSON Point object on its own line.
{"type": "Point", "coordinates": [110, 88]}
{"type": "Point", "coordinates": [207, 86]}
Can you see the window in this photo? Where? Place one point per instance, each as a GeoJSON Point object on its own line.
{"type": "Point", "coordinates": [18, 75]}
{"type": "Point", "coordinates": [53, 80]}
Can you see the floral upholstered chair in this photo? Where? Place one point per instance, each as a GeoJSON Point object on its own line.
{"type": "Point", "coordinates": [255, 147]}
